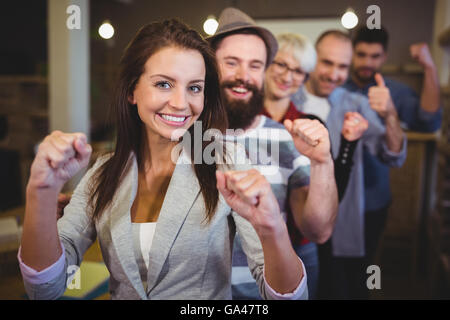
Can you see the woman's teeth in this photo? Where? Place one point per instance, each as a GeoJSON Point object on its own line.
{"type": "Point", "coordinates": [172, 118]}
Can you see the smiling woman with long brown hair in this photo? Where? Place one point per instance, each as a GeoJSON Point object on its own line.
{"type": "Point", "coordinates": [165, 227]}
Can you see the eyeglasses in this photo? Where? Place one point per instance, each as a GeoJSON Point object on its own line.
{"type": "Point", "coordinates": [280, 67]}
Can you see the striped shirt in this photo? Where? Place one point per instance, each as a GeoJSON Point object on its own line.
{"type": "Point", "coordinates": [272, 152]}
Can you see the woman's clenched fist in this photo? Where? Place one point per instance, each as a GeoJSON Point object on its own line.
{"type": "Point", "coordinates": [60, 156]}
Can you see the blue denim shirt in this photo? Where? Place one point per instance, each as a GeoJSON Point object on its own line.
{"type": "Point", "coordinates": [413, 117]}
{"type": "Point", "coordinates": [348, 234]}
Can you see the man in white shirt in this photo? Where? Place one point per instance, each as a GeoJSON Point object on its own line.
{"type": "Point", "coordinates": [344, 256]}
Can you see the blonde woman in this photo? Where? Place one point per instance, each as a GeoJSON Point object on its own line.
{"type": "Point", "coordinates": [295, 59]}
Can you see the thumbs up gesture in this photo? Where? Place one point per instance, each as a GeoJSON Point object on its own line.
{"type": "Point", "coordinates": [380, 97]}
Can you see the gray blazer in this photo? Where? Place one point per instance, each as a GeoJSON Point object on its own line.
{"type": "Point", "coordinates": [189, 258]}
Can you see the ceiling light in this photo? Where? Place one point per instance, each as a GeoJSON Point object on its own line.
{"type": "Point", "coordinates": [106, 30]}
{"type": "Point", "coordinates": [349, 19]}
{"type": "Point", "coordinates": [210, 25]}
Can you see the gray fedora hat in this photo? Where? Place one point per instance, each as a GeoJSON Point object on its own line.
{"type": "Point", "coordinates": [232, 19]}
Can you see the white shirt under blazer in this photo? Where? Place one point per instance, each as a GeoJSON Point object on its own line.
{"type": "Point", "coordinates": [189, 258]}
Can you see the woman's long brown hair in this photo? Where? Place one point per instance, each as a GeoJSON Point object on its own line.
{"type": "Point", "coordinates": [130, 138]}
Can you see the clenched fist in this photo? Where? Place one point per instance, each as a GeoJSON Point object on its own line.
{"type": "Point", "coordinates": [60, 156]}
{"type": "Point", "coordinates": [421, 53]}
{"type": "Point", "coordinates": [310, 138]}
{"type": "Point", "coordinates": [354, 126]}
{"type": "Point", "coordinates": [249, 194]}
{"type": "Point", "coordinates": [380, 97]}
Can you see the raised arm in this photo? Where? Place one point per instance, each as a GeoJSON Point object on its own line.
{"type": "Point", "coordinates": [249, 194]}
{"type": "Point", "coordinates": [430, 97]}
{"type": "Point", "coordinates": [314, 208]}
{"type": "Point", "coordinates": [352, 129]}
{"type": "Point", "coordinates": [380, 100]}
{"type": "Point", "coordinates": [60, 156]}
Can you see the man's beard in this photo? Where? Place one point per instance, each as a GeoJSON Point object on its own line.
{"type": "Point", "coordinates": [361, 78]}
{"type": "Point", "coordinates": [241, 113]}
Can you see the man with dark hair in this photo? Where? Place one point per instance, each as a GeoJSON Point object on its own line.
{"type": "Point", "coordinates": [343, 259]}
{"type": "Point", "coordinates": [299, 168]}
{"type": "Point", "coordinates": [370, 53]}
{"type": "Point", "coordinates": [364, 34]}
{"type": "Point", "coordinates": [419, 114]}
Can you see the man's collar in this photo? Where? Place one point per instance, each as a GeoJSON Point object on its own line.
{"type": "Point", "coordinates": [312, 94]}
{"type": "Point", "coordinates": [256, 123]}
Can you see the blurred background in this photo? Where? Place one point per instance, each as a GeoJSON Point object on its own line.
{"type": "Point", "coordinates": [56, 78]}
